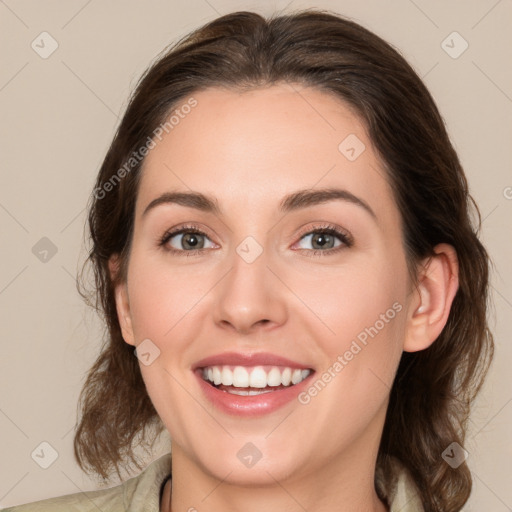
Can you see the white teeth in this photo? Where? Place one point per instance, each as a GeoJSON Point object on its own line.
{"type": "Point", "coordinates": [240, 377]}
{"type": "Point", "coordinates": [217, 379]}
{"type": "Point", "coordinates": [286, 377]}
{"type": "Point", "coordinates": [248, 392]}
{"type": "Point", "coordinates": [258, 378]}
{"type": "Point", "coordinates": [227, 376]}
{"type": "Point", "coordinates": [274, 377]}
{"type": "Point", "coordinates": [296, 376]}
{"type": "Point", "coordinates": [254, 377]}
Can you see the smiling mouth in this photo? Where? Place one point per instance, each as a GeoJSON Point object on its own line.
{"type": "Point", "coordinates": [255, 380]}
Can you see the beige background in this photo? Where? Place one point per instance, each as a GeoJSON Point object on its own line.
{"type": "Point", "coordinates": [58, 116]}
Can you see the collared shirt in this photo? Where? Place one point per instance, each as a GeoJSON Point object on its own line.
{"type": "Point", "coordinates": [142, 494]}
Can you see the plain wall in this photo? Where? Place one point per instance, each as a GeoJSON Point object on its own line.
{"type": "Point", "coordinates": [58, 116]}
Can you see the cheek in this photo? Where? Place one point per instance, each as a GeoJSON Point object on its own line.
{"type": "Point", "coordinates": [361, 333]}
{"type": "Point", "coordinates": [160, 297]}
{"type": "Point", "coordinates": [359, 360]}
{"type": "Point", "coordinates": [162, 305]}
{"type": "Point", "coordinates": [360, 301]}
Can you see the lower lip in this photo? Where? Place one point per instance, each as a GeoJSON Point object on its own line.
{"type": "Point", "coordinates": [254, 405]}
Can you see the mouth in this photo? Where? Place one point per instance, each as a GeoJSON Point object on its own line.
{"type": "Point", "coordinates": [252, 380]}
{"type": "Point", "coordinates": [247, 384]}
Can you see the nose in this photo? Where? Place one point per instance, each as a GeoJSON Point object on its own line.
{"type": "Point", "coordinates": [250, 297]}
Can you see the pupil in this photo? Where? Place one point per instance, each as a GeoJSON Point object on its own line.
{"type": "Point", "coordinates": [187, 238]}
{"type": "Point", "coordinates": [324, 239]}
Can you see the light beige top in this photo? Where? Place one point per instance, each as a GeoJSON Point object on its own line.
{"type": "Point", "coordinates": [142, 494]}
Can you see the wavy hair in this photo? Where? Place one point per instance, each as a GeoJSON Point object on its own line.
{"type": "Point", "coordinates": [433, 389]}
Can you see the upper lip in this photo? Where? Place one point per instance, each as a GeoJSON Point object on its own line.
{"type": "Point", "coordinates": [248, 359]}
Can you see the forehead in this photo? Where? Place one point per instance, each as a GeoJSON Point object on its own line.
{"type": "Point", "coordinates": [262, 144]}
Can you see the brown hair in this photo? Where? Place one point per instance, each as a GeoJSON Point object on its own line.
{"type": "Point", "coordinates": [433, 389]}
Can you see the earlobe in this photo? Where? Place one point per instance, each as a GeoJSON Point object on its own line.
{"type": "Point", "coordinates": [122, 302]}
{"type": "Point", "coordinates": [433, 298]}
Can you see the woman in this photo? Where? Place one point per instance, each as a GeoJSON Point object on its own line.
{"type": "Point", "coordinates": [281, 232]}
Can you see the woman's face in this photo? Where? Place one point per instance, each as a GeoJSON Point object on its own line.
{"type": "Point", "coordinates": [265, 279]}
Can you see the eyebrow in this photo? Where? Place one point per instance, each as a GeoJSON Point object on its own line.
{"type": "Point", "coordinates": [292, 202]}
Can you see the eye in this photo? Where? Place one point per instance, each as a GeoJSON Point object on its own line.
{"type": "Point", "coordinates": [325, 240]}
{"type": "Point", "coordinates": [189, 240]}
{"type": "Point", "coordinates": [184, 240]}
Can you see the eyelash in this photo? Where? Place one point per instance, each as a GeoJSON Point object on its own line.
{"type": "Point", "coordinates": [327, 229]}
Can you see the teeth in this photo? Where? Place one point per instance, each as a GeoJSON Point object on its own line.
{"type": "Point", "coordinates": [296, 376]}
{"type": "Point", "coordinates": [227, 377]}
{"type": "Point", "coordinates": [240, 377]}
{"type": "Point", "coordinates": [217, 379]}
{"type": "Point", "coordinates": [248, 392]}
{"type": "Point", "coordinates": [258, 378]}
{"type": "Point", "coordinates": [274, 377]}
{"type": "Point", "coordinates": [286, 377]}
{"type": "Point", "coordinates": [254, 377]}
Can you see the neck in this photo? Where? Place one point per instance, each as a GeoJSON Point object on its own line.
{"type": "Point", "coordinates": [344, 484]}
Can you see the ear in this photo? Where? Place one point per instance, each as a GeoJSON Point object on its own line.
{"type": "Point", "coordinates": [122, 301]}
{"type": "Point", "coordinates": [432, 300]}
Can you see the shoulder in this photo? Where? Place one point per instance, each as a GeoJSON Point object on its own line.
{"type": "Point", "coordinates": [137, 493]}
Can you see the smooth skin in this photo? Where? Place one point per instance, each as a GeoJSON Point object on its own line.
{"type": "Point", "coordinates": [249, 150]}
